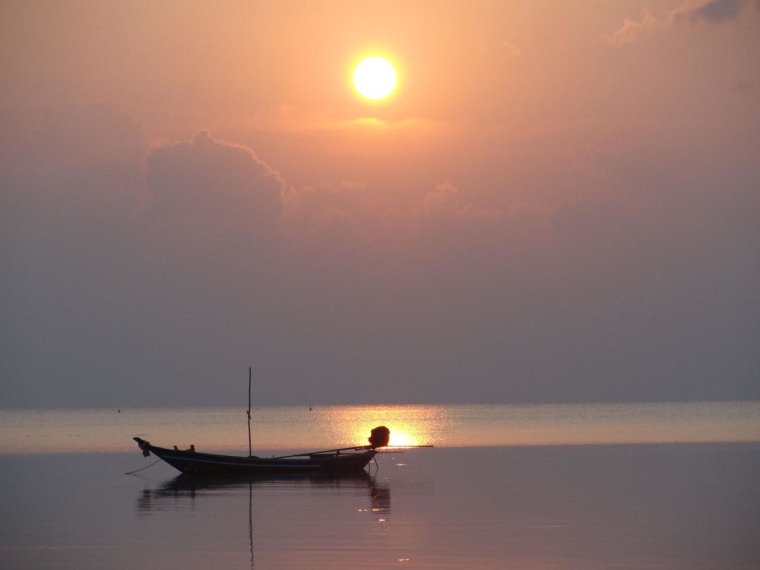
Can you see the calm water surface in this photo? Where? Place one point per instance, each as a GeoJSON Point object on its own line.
{"type": "Point", "coordinates": [496, 492]}
{"type": "Point", "coordinates": [279, 428]}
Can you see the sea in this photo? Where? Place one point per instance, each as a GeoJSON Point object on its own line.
{"type": "Point", "coordinates": [531, 487]}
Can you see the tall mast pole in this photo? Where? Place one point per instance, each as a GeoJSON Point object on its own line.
{"type": "Point", "coordinates": [249, 411]}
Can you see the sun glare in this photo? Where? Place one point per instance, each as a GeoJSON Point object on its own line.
{"type": "Point", "coordinates": [401, 438]}
{"type": "Point", "coordinates": [375, 78]}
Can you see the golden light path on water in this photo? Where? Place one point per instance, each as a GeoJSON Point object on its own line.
{"type": "Point", "coordinates": [276, 429]}
{"type": "Point", "coordinates": [409, 425]}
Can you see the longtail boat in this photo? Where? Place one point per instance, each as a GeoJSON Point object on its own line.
{"type": "Point", "coordinates": [343, 460]}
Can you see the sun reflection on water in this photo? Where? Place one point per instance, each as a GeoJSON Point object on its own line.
{"type": "Point", "coordinates": [409, 425]}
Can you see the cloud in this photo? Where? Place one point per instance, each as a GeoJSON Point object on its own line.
{"type": "Point", "coordinates": [713, 11]}
{"type": "Point", "coordinates": [209, 181]}
{"type": "Point", "coordinates": [329, 207]}
{"type": "Point", "coordinates": [356, 212]}
{"type": "Point", "coordinates": [632, 30]}
{"type": "Point", "coordinates": [446, 200]}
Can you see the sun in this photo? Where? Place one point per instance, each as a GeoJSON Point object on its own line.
{"type": "Point", "coordinates": [375, 78]}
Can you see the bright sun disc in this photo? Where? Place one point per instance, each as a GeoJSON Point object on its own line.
{"type": "Point", "coordinates": [375, 78]}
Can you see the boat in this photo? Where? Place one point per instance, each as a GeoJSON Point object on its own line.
{"type": "Point", "coordinates": [332, 461]}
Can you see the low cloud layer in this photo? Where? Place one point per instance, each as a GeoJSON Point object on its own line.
{"type": "Point", "coordinates": [167, 275]}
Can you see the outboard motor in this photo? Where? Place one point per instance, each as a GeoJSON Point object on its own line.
{"type": "Point", "coordinates": [379, 436]}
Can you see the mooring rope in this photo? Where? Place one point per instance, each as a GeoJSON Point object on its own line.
{"type": "Point", "coordinates": [142, 468]}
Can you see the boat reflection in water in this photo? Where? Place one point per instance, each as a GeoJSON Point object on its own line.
{"type": "Point", "coordinates": [182, 487]}
{"type": "Point", "coordinates": [284, 512]}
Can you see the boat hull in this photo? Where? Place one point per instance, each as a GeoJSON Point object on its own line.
{"type": "Point", "coordinates": [209, 464]}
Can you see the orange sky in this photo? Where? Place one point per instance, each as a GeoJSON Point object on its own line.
{"type": "Point", "coordinates": [559, 201]}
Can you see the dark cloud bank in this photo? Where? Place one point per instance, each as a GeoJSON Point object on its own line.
{"type": "Point", "coordinates": [712, 11]}
{"type": "Point", "coordinates": [144, 280]}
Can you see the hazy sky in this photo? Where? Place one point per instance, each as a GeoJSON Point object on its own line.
{"type": "Point", "coordinates": [560, 202]}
